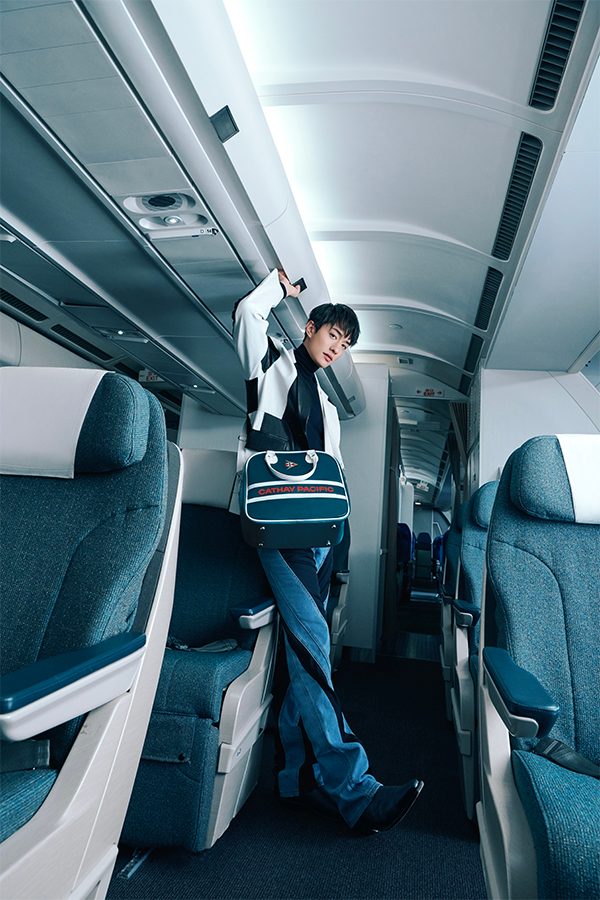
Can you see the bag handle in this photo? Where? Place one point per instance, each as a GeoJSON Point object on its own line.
{"type": "Point", "coordinates": [271, 459]}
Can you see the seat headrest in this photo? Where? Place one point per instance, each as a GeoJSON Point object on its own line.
{"type": "Point", "coordinates": [208, 477]}
{"type": "Point", "coordinates": [557, 477]}
{"type": "Point", "coordinates": [60, 422]}
{"type": "Point", "coordinates": [482, 503]}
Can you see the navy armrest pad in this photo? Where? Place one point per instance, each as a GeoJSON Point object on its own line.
{"type": "Point", "coordinates": [46, 676]}
{"type": "Point", "coordinates": [522, 693]}
{"type": "Point", "coordinates": [257, 607]}
{"type": "Point", "coordinates": [462, 606]}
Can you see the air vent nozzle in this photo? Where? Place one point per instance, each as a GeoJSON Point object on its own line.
{"type": "Point", "coordinates": [526, 160]}
{"type": "Point", "coordinates": [562, 26]}
{"type": "Point", "coordinates": [163, 201]}
{"type": "Point", "coordinates": [21, 306]}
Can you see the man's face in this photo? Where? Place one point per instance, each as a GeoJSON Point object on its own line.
{"type": "Point", "coordinates": [325, 344]}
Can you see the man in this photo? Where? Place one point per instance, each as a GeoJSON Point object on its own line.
{"type": "Point", "coordinates": [321, 764]}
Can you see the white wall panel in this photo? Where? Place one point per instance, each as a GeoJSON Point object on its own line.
{"type": "Point", "coordinates": [516, 406]}
{"type": "Point", "coordinates": [363, 449]}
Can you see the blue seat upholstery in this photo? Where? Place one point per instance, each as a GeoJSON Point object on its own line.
{"type": "Point", "coordinates": [174, 801]}
{"type": "Point", "coordinates": [404, 560]}
{"type": "Point", "coordinates": [423, 556]}
{"type": "Point", "coordinates": [451, 585]}
{"type": "Point", "coordinates": [540, 829]}
{"type": "Point", "coordinates": [465, 624]}
{"type": "Point", "coordinates": [74, 562]}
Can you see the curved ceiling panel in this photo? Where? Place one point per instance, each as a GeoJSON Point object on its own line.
{"type": "Point", "coordinates": [367, 184]}
{"type": "Point", "coordinates": [413, 271]}
{"type": "Point", "coordinates": [410, 332]}
{"type": "Point", "coordinates": [468, 51]}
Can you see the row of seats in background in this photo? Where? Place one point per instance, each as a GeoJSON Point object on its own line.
{"type": "Point", "coordinates": [115, 544]}
{"type": "Point", "coordinates": [521, 666]}
{"type": "Point", "coordinates": [420, 561]}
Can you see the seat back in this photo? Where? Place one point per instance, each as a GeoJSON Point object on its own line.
{"type": "Point", "coordinates": [473, 547]}
{"type": "Point", "coordinates": [89, 515]}
{"type": "Point", "coordinates": [453, 543]}
{"type": "Point", "coordinates": [542, 598]}
{"type": "Point", "coordinates": [216, 570]}
{"type": "Point", "coordinates": [423, 541]}
{"type": "Point", "coordinates": [403, 544]}
{"type": "Point", "coordinates": [75, 550]}
{"type": "Point", "coordinates": [423, 556]}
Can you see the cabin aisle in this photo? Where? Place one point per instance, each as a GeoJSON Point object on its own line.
{"type": "Point", "coordinates": [396, 708]}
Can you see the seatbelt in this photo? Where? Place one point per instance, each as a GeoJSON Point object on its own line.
{"type": "Point", "coordinates": [565, 756]}
{"type": "Point", "coordinates": [22, 755]}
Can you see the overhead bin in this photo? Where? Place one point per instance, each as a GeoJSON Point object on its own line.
{"type": "Point", "coordinates": [184, 61]}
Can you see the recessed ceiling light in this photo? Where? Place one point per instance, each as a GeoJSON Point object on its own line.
{"type": "Point", "coordinates": [173, 220]}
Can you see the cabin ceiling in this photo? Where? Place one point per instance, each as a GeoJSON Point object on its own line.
{"type": "Point", "coordinates": [418, 154]}
{"type": "Point", "coordinates": [400, 126]}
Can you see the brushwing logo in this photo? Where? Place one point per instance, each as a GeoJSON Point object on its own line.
{"type": "Point", "coordinates": [289, 464]}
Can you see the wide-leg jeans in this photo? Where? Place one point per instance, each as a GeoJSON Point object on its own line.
{"type": "Point", "coordinates": [310, 709]}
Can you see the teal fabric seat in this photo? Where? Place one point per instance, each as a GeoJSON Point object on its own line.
{"type": "Point", "coordinates": [173, 803]}
{"type": "Point", "coordinates": [75, 550]}
{"type": "Point", "coordinates": [22, 795]}
{"type": "Point", "coordinates": [451, 587]}
{"type": "Point", "coordinates": [541, 674]}
{"type": "Point", "coordinates": [192, 683]}
{"type": "Point", "coordinates": [466, 613]}
{"type": "Point", "coordinates": [563, 812]}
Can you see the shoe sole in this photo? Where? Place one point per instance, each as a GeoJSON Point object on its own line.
{"type": "Point", "coordinates": [400, 817]}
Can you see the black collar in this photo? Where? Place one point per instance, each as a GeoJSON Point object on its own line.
{"type": "Point", "coordinates": [305, 365]}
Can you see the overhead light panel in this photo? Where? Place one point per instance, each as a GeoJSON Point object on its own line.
{"type": "Point", "coordinates": [120, 335]}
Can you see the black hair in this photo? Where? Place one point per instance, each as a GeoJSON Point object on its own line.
{"type": "Point", "coordinates": [337, 314]}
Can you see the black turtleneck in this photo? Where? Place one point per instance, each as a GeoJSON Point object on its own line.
{"type": "Point", "coordinates": [306, 368]}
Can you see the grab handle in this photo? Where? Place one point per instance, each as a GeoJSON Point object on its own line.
{"type": "Point", "coordinates": [271, 459]}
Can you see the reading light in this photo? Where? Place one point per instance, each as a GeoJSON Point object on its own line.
{"type": "Point", "coordinates": [173, 220]}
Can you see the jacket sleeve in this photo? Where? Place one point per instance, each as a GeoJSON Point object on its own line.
{"type": "Point", "coordinates": [251, 324]}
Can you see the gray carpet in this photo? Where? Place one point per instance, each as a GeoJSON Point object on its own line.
{"type": "Point", "coordinates": [269, 851]}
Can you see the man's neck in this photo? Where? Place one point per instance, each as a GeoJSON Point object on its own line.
{"type": "Point", "coordinates": [304, 360]}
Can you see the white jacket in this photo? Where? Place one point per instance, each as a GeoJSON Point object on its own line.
{"type": "Point", "coordinates": [273, 398]}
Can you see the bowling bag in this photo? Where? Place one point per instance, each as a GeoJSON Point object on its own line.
{"type": "Point", "coordinates": [294, 499]}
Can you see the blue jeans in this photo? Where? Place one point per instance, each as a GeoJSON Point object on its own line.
{"type": "Point", "coordinates": [310, 711]}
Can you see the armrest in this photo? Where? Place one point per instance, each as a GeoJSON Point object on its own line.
{"type": "Point", "coordinates": [445, 595]}
{"type": "Point", "coordinates": [524, 705]}
{"type": "Point", "coordinates": [343, 577]}
{"type": "Point", "coordinates": [252, 617]}
{"type": "Point", "coordinates": [59, 688]}
{"type": "Point", "coordinates": [465, 614]}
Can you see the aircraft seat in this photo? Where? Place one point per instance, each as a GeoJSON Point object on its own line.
{"type": "Point", "coordinates": [404, 559]}
{"type": "Point", "coordinates": [437, 550]}
{"type": "Point", "coordinates": [337, 610]}
{"type": "Point", "coordinates": [465, 615]}
{"type": "Point", "coordinates": [423, 556]}
{"type": "Point", "coordinates": [89, 521]}
{"type": "Point", "coordinates": [538, 815]}
{"type": "Point", "coordinates": [451, 585]}
{"type": "Point", "coordinates": [202, 752]}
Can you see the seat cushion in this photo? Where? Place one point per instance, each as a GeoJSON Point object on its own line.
{"type": "Point", "coordinates": [562, 808]}
{"type": "Point", "coordinates": [193, 683]}
{"type": "Point", "coordinates": [22, 795]}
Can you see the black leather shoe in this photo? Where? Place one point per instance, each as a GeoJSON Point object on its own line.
{"type": "Point", "coordinates": [316, 801]}
{"type": "Point", "coordinates": [388, 807]}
